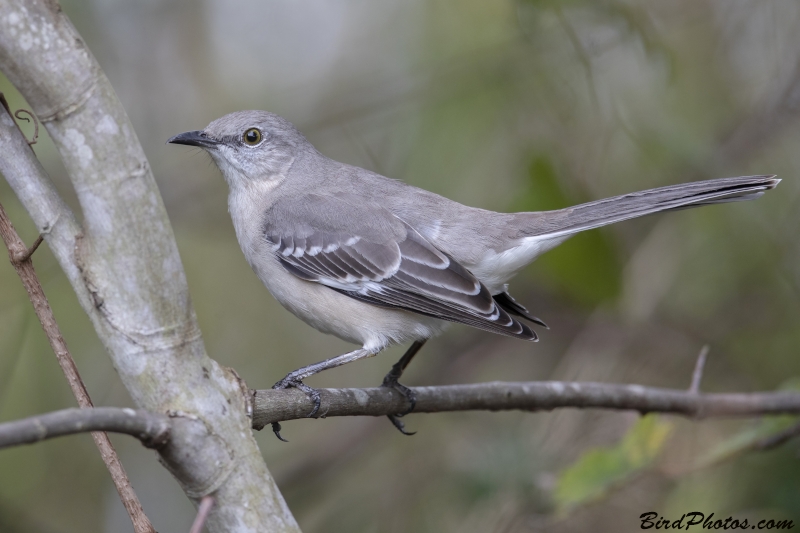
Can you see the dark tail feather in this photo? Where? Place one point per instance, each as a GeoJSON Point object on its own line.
{"type": "Point", "coordinates": [508, 304]}
{"type": "Point", "coordinates": [618, 208]}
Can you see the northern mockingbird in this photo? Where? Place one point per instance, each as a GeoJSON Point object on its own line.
{"type": "Point", "coordinates": [377, 262]}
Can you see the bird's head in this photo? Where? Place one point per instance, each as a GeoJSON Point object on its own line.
{"type": "Point", "coordinates": [249, 147]}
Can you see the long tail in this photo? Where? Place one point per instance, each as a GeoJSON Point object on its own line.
{"type": "Point", "coordinates": [565, 222]}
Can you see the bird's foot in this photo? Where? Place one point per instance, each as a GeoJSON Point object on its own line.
{"type": "Point", "coordinates": [291, 381]}
{"type": "Point", "coordinates": [390, 381]}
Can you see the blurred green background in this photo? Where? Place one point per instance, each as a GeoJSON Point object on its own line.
{"type": "Point", "coordinates": [506, 105]}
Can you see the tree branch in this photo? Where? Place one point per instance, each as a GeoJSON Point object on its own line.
{"type": "Point", "coordinates": [290, 404]}
{"type": "Point", "coordinates": [281, 405]}
{"type": "Point", "coordinates": [20, 256]}
{"type": "Point", "coordinates": [150, 428]}
{"type": "Point", "coordinates": [125, 267]}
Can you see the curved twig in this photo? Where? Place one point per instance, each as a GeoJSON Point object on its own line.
{"type": "Point", "coordinates": [150, 428]}
{"type": "Point", "coordinates": [24, 111]}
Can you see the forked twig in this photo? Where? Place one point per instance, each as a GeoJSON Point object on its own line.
{"type": "Point", "coordinates": [22, 256]}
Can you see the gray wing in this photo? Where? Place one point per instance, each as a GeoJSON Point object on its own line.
{"type": "Point", "coordinates": [368, 254]}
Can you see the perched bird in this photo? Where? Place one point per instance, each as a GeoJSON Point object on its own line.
{"type": "Point", "coordinates": [378, 262]}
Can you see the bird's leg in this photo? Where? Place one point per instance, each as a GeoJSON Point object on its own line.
{"type": "Point", "coordinates": [390, 381]}
{"type": "Point", "coordinates": [295, 379]}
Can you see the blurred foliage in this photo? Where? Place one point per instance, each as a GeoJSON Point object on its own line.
{"type": "Point", "coordinates": [746, 440]}
{"type": "Point", "coordinates": [751, 438]}
{"type": "Point", "coordinates": [505, 105]}
{"type": "Point", "coordinates": [584, 268]}
{"type": "Point", "coordinates": [599, 469]}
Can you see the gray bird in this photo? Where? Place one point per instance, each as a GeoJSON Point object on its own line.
{"type": "Point", "coordinates": [378, 262]}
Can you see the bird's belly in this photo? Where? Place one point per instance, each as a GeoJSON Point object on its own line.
{"type": "Point", "coordinates": [332, 312]}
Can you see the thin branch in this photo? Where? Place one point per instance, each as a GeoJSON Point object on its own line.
{"type": "Point", "coordinates": [206, 503]}
{"type": "Point", "coordinates": [281, 405]}
{"type": "Point", "coordinates": [773, 441]}
{"type": "Point", "coordinates": [26, 255]}
{"type": "Point", "coordinates": [150, 428]}
{"type": "Point", "coordinates": [53, 218]}
{"type": "Point", "coordinates": [763, 444]}
{"type": "Point", "coordinates": [697, 375]}
{"type": "Point", "coordinates": [20, 256]}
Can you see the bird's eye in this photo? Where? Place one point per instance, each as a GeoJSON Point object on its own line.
{"type": "Point", "coordinates": [252, 136]}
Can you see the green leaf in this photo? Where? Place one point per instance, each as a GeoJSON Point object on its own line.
{"type": "Point", "coordinates": [600, 469]}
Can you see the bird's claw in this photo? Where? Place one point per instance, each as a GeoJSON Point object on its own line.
{"type": "Point", "coordinates": [390, 381]}
{"type": "Point", "coordinates": [289, 382]}
{"type": "Point", "coordinates": [276, 428]}
{"type": "Point", "coordinates": [407, 393]}
{"type": "Point", "coordinates": [401, 427]}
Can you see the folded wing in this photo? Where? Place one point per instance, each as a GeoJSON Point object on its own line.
{"type": "Point", "coordinates": [394, 268]}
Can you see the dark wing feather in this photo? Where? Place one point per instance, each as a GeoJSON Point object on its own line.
{"type": "Point", "coordinates": [404, 271]}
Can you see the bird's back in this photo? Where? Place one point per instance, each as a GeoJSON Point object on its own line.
{"type": "Point", "coordinates": [467, 234]}
{"type": "Point", "coordinates": [495, 246]}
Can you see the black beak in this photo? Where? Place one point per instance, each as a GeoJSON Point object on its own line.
{"type": "Point", "coordinates": [194, 138]}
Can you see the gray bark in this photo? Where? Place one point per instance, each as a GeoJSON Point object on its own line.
{"type": "Point", "coordinates": [124, 265]}
{"type": "Point", "coordinates": [279, 405]}
{"type": "Point", "coordinates": [151, 429]}
{"type": "Point", "coordinates": [289, 404]}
